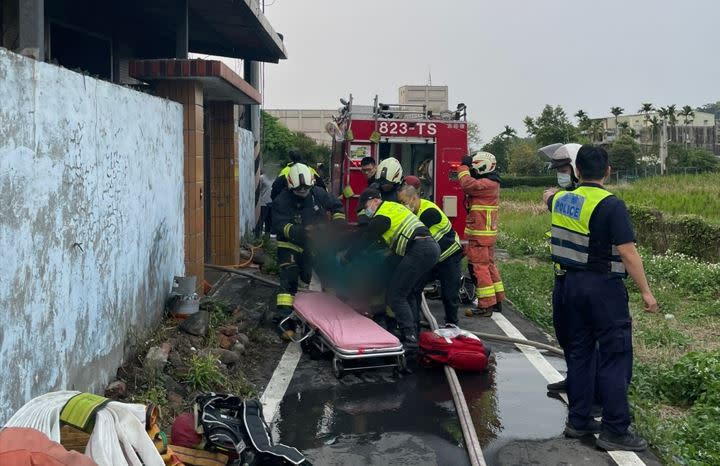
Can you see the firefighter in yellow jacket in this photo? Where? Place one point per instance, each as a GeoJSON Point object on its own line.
{"type": "Point", "coordinates": [481, 185]}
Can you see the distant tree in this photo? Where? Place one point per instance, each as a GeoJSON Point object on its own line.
{"type": "Point", "coordinates": [654, 123]}
{"type": "Point", "coordinates": [646, 108]}
{"type": "Point", "coordinates": [277, 140]}
{"type": "Point", "coordinates": [509, 132]}
{"type": "Point", "coordinates": [623, 127]}
{"type": "Point", "coordinates": [583, 120]}
{"type": "Point", "coordinates": [524, 160]}
{"type": "Point", "coordinates": [597, 130]}
{"type": "Point", "coordinates": [499, 146]}
{"type": "Point", "coordinates": [680, 156]}
{"type": "Point", "coordinates": [688, 115]}
{"type": "Point", "coordinates": [617, 111]}
{"type": "Point", "coordinates": [474, 139]}
{"type": "Point", "coordinates": [551, 126]}
{"type": "Point", "coordinates": [624, 153]}
{"type": "Point", "coordinates": [711, 108]}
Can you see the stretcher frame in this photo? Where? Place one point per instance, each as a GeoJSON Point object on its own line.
{"type": "Point", "coordinates": [311, 337]}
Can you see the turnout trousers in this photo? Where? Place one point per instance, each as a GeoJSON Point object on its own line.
{"type": "Point", "coordinates": [489, 288]}
{"type": "Point", "coordinates": [598, 339]}
{"type": "Point", "coordinates": [293, 265]}
{"type": "Point", "coordinates": [421, 256]}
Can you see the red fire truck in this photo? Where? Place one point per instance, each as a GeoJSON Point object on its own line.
{"type": "Point", "coordinates": [429, 146]}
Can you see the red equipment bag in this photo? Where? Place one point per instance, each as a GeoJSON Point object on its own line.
{"type": "Point", "coordinates": [454, 347]}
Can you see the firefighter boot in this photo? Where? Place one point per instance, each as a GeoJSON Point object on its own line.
{"type": "Point", "coordinates": [409, 340]}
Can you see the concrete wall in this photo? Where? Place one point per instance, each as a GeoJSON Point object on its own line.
{"type": "Point", "coordinates": [246, 168]}
{"type": "Point", "coordinates": [91, 225]}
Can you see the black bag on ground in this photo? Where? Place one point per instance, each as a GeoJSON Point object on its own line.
{"type": "Point", "coordinates": [230, 424]}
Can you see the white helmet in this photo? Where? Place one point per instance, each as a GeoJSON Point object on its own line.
{"type": "Point", "coordinates": [483, 162]}
{"type": "Point", "coordinates": [299, 176]}
{"type": "Point", "coordinates": [562, 154]}
{"type": "Point", "coordinates": [390, 170]}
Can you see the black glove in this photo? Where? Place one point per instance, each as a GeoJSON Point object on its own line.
{"type": "Point", "coordinates": [467, 161]}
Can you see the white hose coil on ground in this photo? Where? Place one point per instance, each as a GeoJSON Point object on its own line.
{"type": "Point", "coordinates": [118, 438]}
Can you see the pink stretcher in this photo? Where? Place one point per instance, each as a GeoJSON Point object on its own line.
{"type": "Point", "coordinates": [324, 323]}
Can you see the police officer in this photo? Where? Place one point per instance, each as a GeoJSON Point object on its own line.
{"type": "Point", "coordinates": [593, 241]}
{"type": "Point", "coordinates": [296, 213]}
{"type": "Point", "coordinates": [280, 184]}
{"type": "Point", "coordinates": [447, 269]}
{"type": "Point", "coordinates": [562, 160]}
{"type": "Point", "coordinates": [405, 235]}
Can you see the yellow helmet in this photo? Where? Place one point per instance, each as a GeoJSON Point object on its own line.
{"type": "Point", "coordinates": [390, 170]}
{"type": "Point", "coordinates": [483, 162]}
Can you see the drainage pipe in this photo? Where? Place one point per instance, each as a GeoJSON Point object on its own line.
{"type": "Point", "coordinates": [267, 281]}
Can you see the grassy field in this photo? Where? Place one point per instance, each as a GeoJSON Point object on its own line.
{"type": "Point", "coordinates": [676, 386]}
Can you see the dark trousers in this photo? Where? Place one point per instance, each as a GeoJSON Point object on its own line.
{"type": "Point", "coordinates": [420, 257]}
{"type": "Point", "coordinates": [448, 272]}
{"type": "Point", "coordinates": [598, 317]}
{"type": "Point", "coordinates": [263, 223]}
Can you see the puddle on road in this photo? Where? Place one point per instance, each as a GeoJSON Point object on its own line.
{"type": "Point", "coordinates": [412, 421]}
{"type": "Point", "coordinates": [511, 403]}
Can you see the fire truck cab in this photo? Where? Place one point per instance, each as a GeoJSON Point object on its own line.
{"type": "Point", "coordinates": [427, 145]}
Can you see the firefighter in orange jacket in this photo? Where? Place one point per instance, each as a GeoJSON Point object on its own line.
{"type": "Point", "coordinates": [481, 185]}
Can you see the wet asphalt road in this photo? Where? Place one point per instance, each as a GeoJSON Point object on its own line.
{"type": "Point", "coordinates": [379, 418]}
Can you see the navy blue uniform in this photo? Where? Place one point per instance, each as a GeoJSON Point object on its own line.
{"type": "Point", "coordinates": [596, 313]}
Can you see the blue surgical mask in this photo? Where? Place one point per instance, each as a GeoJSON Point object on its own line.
{"type": "Point", "coordinates": [369, 212]}
{"type": "Point", "coordinates": [564, 180]}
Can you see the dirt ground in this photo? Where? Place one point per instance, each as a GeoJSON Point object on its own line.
{"type": "Point", "coordinates": [233, 301]}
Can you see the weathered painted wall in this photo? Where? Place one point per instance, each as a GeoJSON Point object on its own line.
{"type": "Point", "coordinates": [91, 225]}
{"type": "Point", "coordinates": [246, 167]}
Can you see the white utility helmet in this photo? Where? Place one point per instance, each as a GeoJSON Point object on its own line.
{"type": "Point", "coordinates": [561, 154]}
{"type": "Point", "coordinates": [390, 170]}
{"type": "Point", "coordinates": [483, 162]}
{"type": "Point", "coordinates": [300, 176]}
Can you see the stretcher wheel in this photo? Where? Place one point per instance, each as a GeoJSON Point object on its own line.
{"type": "Point", "coordinates": [310, 348]}
{"type": "Point", "coordinates": [338, 369]}
{"type": "Point", "coordinates": [402, 363]}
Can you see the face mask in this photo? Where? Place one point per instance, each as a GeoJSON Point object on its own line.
{"type": "Point", "coordinates": [564, 180]}
{"type": "Point", "coordinates": [369, 212]}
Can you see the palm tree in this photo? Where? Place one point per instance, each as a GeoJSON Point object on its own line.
{"type": "Point", "coordinates": [509, 132]}
{"type": "Point", "coordinates": [617, 111]}
{"type": "Point", "coordinates": [688, 116]}
{"type": "Point", "coordinates": [672, 115]}
{"type": "Point", "coordinates": [583, 120]}
{"type": "Point", "coordinates": [655, 123]}
{"type": "Point", "coordinates": [597, 130]}
{"type": "Point", "coordinates": [623, 127]}
{"type": "Point", "coordinates": [646, 108]}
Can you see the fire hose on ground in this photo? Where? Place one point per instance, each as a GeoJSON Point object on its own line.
{"type": "Point", "coordinates": [468, 429]}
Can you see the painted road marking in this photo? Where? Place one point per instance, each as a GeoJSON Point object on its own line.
{"type": "Point", "coordinates": [280, 381]}
{"type": "Point", "coordinates": [622, 458]}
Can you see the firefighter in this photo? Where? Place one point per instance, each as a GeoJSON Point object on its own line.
{"type": "Point", "coordinates": [368, 168]}
{"type": "Point", "coordinates": [481, 185]}
{"type": "Point", "coordinates": [388, 179]}
{"type": "Point", "coordinates": [296, 213]}
{"type": "Point", "coordinates": [593, 241]}
{"type": "Point", "coordinates": [447, 269]}
{"type": "Point", "coordinates": [405, 235]}
{"type": "Point", "coordinates": [280, 184]}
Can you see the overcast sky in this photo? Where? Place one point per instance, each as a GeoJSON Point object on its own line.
{"type": "Point", "coordinates": [504, 58]}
